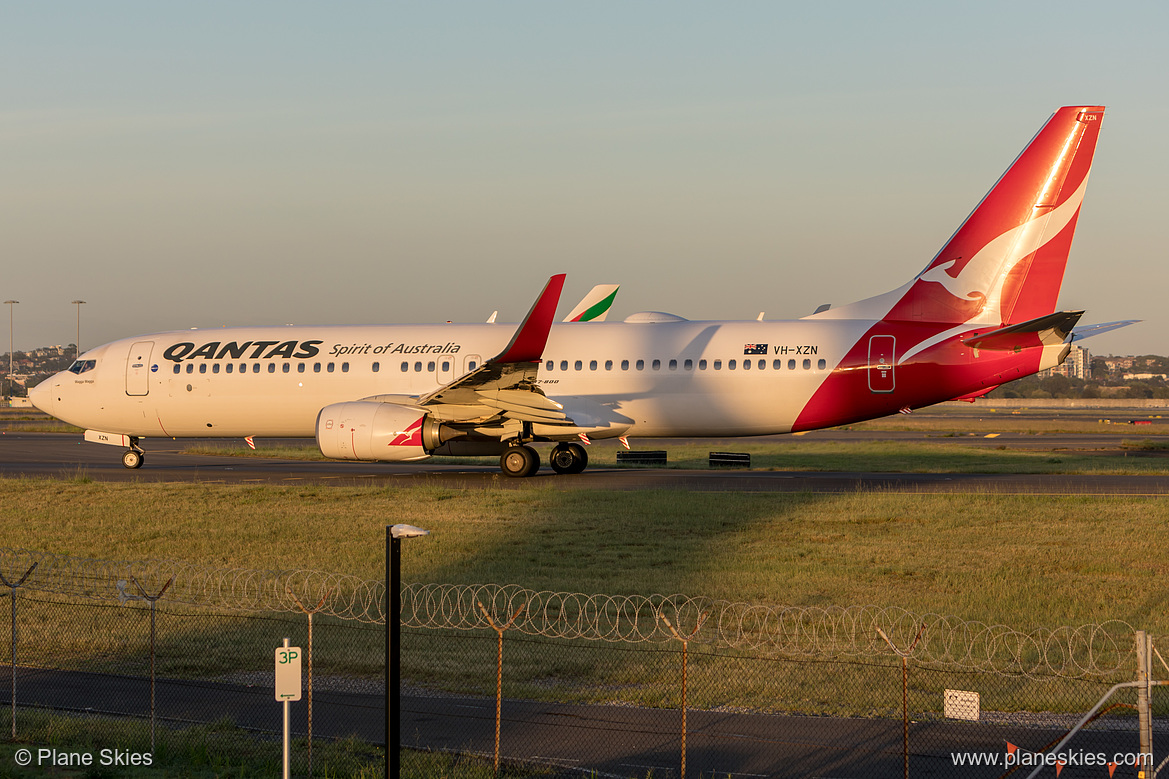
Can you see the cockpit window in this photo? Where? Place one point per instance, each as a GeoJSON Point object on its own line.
{"type": "Point", "coordinates": [82, 366]}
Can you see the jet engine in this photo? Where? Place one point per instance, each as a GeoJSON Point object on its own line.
{"type": "Point", "coordinates": [386, 432]}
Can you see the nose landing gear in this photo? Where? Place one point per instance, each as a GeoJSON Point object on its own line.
{"type": "Point", "coordinates": [132, 458]}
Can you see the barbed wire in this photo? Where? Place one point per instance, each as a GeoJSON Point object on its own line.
{"type": "Point", "coordinates": [822, 633]}
{"type": "Point", "coordinates": [241, 589]}
{"type": "Point", "coordinates": [1094, 650]}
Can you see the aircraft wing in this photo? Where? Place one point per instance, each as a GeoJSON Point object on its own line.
{"type": "Point", "coordinates": [505, 385]}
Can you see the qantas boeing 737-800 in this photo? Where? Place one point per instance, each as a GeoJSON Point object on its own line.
{"type": "Point", "coordinates": [981, 313]}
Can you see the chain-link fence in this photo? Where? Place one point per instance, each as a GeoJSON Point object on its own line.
{"type": "Point", "coordinates": [624, 686]}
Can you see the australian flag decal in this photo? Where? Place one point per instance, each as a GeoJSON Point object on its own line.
{"type": "Point", "coordinates": [754, 348]}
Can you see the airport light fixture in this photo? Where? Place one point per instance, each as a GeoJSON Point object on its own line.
{"type": "Point", "coordinates": [8, 384]}
{"type": "Point", "coordinates": [394, 536]}
{"type": "Point", "coordinates": [77, 343]}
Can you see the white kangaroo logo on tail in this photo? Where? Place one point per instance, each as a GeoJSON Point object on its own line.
{"type": "Point", "coordinates": [983, 276]}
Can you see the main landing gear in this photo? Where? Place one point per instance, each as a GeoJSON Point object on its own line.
{"type": "Point", "coordinates": [520, 461]}
{"type": "Point", "coordinates": [568, 458]}
{"type": "Point", "coordinates": [132, 458]}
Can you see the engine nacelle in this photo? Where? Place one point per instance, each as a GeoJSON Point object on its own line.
{"type": "Point", "coordinates": [367, 430]}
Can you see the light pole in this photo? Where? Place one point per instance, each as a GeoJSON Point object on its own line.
{"type": "Point", "coordinates": [8, 384]}
{"type": "Point", "coordinates": [77, 343]}
{"type": "Point", "coordinates": [394, 536]}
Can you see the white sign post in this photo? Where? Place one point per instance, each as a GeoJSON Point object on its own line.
{"type": "Point", "coordinates": [287, 687]}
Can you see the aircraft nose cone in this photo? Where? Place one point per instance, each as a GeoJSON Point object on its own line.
{"type": "Point", "coordinates": [41, 396]}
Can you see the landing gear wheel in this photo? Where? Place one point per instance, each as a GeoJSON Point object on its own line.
{"type": "Point", "coordinates": [132, 459]}
{"type": "Point", "coordinates": [519, 461]}
{"type": "Point", "coordinates": [568, 458]}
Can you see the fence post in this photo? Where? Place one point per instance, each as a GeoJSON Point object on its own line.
{"type": "Point", "coordinates": [904, 691]}
{"type": "Point", "coordinates": [1144, 708]}
{"type": "Point", "coordinates": [499, 671]}
{"type": "Point", "coordinates": [314, 610]}
{"type": "Point", "coordinates": [12, 593]}
{"type": "Point", "coordinates": [153, 601]}
{"type": "Point", "coordinates": [685, 663]}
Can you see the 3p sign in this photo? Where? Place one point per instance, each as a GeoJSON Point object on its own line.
{"type": "Point", "coordinates": [288, 673]}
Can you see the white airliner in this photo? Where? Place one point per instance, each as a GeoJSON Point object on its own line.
{"type": "Point", "coordinates": [981, 313]}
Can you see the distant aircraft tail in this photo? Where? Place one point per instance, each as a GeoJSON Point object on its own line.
{"type": "Point", "coordinates": [1005, 264]}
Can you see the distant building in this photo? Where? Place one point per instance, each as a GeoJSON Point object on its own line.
{"type": "Point", "coordinates": [1116, 363]}
{"type": "Point", "coordinates": [1145, 376]}
{"type": "Point", "coordinates": [1078, 365]}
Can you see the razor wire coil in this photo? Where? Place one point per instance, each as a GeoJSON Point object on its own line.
{"type": "Point", "coordinates": [794, 632]}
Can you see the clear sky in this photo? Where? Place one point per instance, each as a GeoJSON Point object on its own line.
{"type": "Point", "coordinates": [225, 163]}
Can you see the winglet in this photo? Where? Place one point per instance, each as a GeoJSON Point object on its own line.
{"type": "Point", "coordinates": [527, 345]}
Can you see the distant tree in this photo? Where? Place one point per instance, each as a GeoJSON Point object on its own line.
{"type": "Point", "coordinates": [1057, 386]}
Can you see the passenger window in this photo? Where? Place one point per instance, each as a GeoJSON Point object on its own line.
{"type": "Point", "coordinates": [418, 367]}
{"type": "Point", "coordinates": [329, 367]}
{"type": "Point", "coordinates": [807, 365]}
{"type": "Point", "coordinates": [564, 365]}
{"type": "Point", "coordinates": [446, 366]}
{"type": "Point", "coordinates": [286, 367]}
{"type": "Point", "coordinates": [718, 365]}
{"type": "Point", "coordinates": [179, 367]}
{"type": "Point", "coordinates": [732, 364]}
{"type": "Point", "coordinates": [255, 367]}
{"type": "Point", "coordinates": [673, 365]}
{"type": "Point", "coordinates": [316, 367]}
{"type": "Point", "coordinates": [430, 367]}
{"type": "Point", "coordinates": [641, 365]}
{"type": "Point", "coordinates": [762, 364]}
{"type": "Point", "coordinates": [791, 365]}
{"type": "Point", "coordinates": [300, 367]}
{"type": "Point", "coordinates": [688, 365]}
{"type": "Point", "coordinates": [229, 367]}
{"type": "Point", "coordinates": [702, 365]}
{"type": "Point", "coordinates": [625, 365]}
{"type": "Point", "coordinates": [190, 368]}
{"type": "Point", "coordinates": [377, 366]}
{"type": "Point", "coordinates": [657, 365]}
{"type": "Point", "coordinates": [472, 365]}
{"type": "Point", "coordinates": [776, 364]}
{"type": "Point", "coordinates": [345, 367]}
{"type": "Point", "coordinates": [746, 365]}
{"type": "Point", "coordinates": [271, 367]}
{"type": "Point", "coordinates": [821, 365]}
{"type": "Point", "coordinates": [608, 365]}
{"type": "Point", "coordinates": [547, 366]}
{"type": "Point", "coordinates": [592, 365]}
{"type": "Point", "coordinates": [578, 365]}
{"type": "Point", "coordinates": [215, 368]}
{"type": "Point", "coordinates": [405, 367]}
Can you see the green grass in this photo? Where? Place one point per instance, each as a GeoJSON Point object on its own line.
{"type": "Point", "coordinates": [998, 558]}
{"type": "Point", "coordinates": [199, 752]}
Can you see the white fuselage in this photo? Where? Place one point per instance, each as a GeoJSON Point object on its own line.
{"type": "Point", "coordinates": [675, 378]}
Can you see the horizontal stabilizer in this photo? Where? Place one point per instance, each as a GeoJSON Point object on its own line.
{"type": "Point", "coordinates": [1046, 331]}
{"type": "Point", "coordinates": [1087, 331]}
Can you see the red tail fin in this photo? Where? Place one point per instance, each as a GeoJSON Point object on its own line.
{"type": "Point", "coordinates": [1005, 263]}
